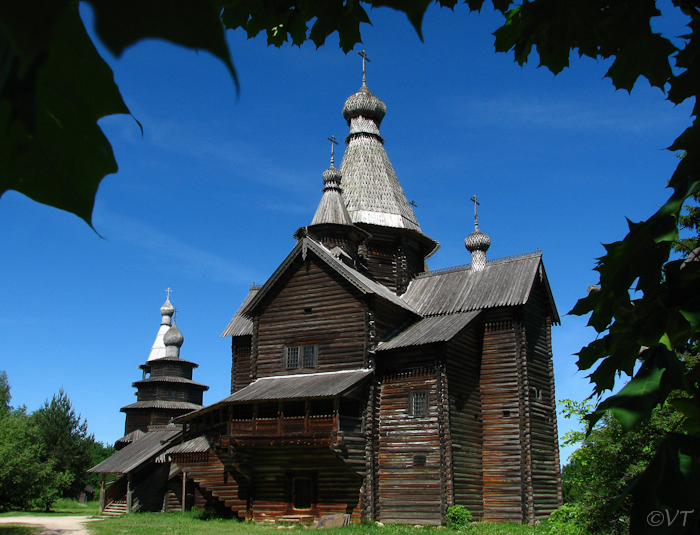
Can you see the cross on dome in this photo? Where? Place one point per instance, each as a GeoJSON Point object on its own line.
{"type": "Point", "coordinates": [333, 144]}
{"type": "Point", "coordinates": [364, 71]}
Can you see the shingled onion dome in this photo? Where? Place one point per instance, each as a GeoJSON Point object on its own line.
{"type": "Point", "coordinates": [173, 341]}
{"type": "Point", "coordinates": [477, 243]}
{"type": "Point", "coordinates": [371, 191]}
{"type": "Point", "coordinates": [364, 105]}
{"type": "Point", "coordinates": [332, 208]}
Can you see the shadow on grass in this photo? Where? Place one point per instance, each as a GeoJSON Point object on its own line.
{"type": "Point", "coordinates": [8, 529]}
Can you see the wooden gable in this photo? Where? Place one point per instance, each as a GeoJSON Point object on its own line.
{"type": "Point", "coordinates": [310, 305]}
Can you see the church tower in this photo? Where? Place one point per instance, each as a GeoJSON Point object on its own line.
{"type": "Point", "coordinates": [375, 201]}
{"type": "Point", "coordinates": [166, 389]}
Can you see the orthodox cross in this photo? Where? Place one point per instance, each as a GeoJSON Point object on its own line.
{"type": "Point", "coordinates": [364, 72]}
{"type": "Point", "coordinates": [169, 292]}
{"type": "Point", "coordinates": [333, 143]}
{"type": "Point", "coordinates": [413, 205]}
{"type": "Point", "coordinates": [476, 203]}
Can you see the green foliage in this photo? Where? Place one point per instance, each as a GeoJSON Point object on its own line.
{"type": "Point", "coordinates": [566, 521]}
{"type": "Point", "coordinates": [43, 456]}
{"type": "Point", "coordinates": [64, 441]}
{"type": "Point", "coordinates": [5, 396]}
{"type": "Point", "coordinates": [458, 516]}
{"type": "Point", "coordinates": [606, 462]}
{"type": "Point", "coordinates": [27, 478]}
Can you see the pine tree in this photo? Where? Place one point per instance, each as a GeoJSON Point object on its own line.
{"type": "Point", "coordinates": [64, 441]}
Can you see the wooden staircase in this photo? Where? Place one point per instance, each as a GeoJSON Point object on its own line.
{"type": "Point", "coordinates": [115, 508]}
{"type": "Point", "coordinates": [213, 479]}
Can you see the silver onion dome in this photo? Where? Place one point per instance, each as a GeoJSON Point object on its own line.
{"type": "Point", "coordinates": [477, 241]}
{"type": "Point", "coordinates": [365, 104]}
{"type": "Point", "coordinates": [173, 337]}
{"type": "Point", "coordinates": [167, 309]}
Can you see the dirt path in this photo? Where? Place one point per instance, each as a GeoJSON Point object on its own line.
{"type": "Point", "coordinates": [53, 525]}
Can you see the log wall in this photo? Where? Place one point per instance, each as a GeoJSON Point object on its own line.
{"type": "Point", "coordinates": [463, 371]}
{"type": "Point", "coordinates": [546, 479]}
{"type": "Point", "coordinates": [503, 443]}
{"type": "Point", "coordinates": [316, 306]}
{"type": "Point", "coordinates": [240, 362]}
{"type": "Point", "coordinates": [409, 464]}
{"type": "Point", "coordinates": [336, 488]}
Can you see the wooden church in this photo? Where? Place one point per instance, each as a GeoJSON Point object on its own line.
{"type": "Point", "coordinates": [364, 386]}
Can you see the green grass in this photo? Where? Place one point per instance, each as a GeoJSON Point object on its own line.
{"type": "Point", "coordinates": [63, 507]}
{"type": "Point", "coordinates": [193, 523]}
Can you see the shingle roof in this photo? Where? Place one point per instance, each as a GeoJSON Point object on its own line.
{"type": "Point", "coordinates": [196, 445]}
{"type": "Point", "coordinates": [308, 385]}
{"type": "Point", "coordinates": [371, 190]}
{"type": "Point", "coordinates": [504, 282]}
{"type": "Point", "coordinates": [241, 325]}
{"type": "Point", "coordinates": [298, 386]}
{"type": "Point", "coordinates": [145, 449]}
{"type": "Point", "coordinates": [430, 330]}
{"type": "Point", "coordinates": [162, 404]}
{"type": "Point", "coordinates": [169, 379]}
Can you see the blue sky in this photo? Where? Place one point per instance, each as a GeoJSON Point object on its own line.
{"type": "Point", "coordinates": [207, 200]}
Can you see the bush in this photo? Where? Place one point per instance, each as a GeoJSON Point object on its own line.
{"type": "Point", "coordinates": [458, 516]}
{"type": "Point", "coordinates": [566, 521]}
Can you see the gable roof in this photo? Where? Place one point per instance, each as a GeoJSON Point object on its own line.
{"type": "Point", "coordinates": [430, 330]}
{"type": "Point", "coordinates": [354, 277]}
{"type": "Point", "coordinates": [503, 282]}
{"type": "Point", "coordinates": [140, 451]}
{"type": "Point", "coordinates": [241, 325]}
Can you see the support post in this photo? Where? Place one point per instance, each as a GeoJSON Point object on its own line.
{"type": "Point", "coordinates": [129, 492]}
{"type": "Point", "coordinates": [102, 493]}
{"type": "Point", "coordinates": [184, 490]}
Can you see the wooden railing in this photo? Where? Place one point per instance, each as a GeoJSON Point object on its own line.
{"type": "Point", "coordinates": [285, 426]}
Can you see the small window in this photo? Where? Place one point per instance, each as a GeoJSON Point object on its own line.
{"type": "Point", "coordinates": [419, 460]}
{"type": "Point", "coordinates": [172, 394]}
{"type": "Point", "coordinates": [292, 357]}
{"type": "Point", "coordinates": [418, 403]}
{"type": "Point", "coordinates": [300, 356]}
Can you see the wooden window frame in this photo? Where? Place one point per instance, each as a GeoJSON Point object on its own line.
{"type": "Point", "coordinates": [412, 395]}
{"type": "Point", "coordinates": [301, 357]}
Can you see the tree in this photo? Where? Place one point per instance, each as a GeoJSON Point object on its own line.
{"type": "Point", "coordinates": [64, 442]}
{"type": "Point", "coordinates": [605, 463]}
{"type": "Point", "coordinates": [5, 396]}
{"type": "Point", "coordinates": [27, 478]}
{"type": "Point", "coordinates": [54, 87]}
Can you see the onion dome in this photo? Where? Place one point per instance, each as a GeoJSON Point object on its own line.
{"type": "Point", "coordinates": [173, 337]}
{"type": "Point", "coordinates": [167, 309]}
{"type": "Point", "coordinates": [173, 340]}
{"type": "Point", "coordinates": [364, 104]}
{"type": "Point", "coordinates": [332, 208]}
{"type": "Point", "coordinates": [477, 243]}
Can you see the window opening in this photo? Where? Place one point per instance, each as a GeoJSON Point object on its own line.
{"type": "Point", "coordinates": [293, 357]}
{"type": "Point", "coordinates": [303, 356]}
{"type": "Point", "coordinates": [418, 403]}
{"type": "Point", "coordinates": [419, 460]}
